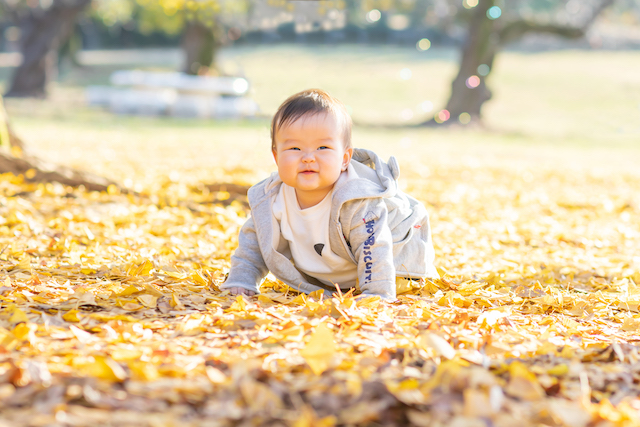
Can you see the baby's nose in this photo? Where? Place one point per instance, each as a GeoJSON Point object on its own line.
{"type": "Point", "coordinates": [308, 157]}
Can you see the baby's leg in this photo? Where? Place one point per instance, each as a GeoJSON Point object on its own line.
{"type": "Point", "coordinates": [238, 291]}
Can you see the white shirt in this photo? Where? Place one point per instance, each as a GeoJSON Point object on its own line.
{"type": "Point", "coordinates": [307, 231]}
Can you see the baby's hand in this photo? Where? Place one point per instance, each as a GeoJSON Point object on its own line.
{"type": "Point", "coordinates": [237, 291]}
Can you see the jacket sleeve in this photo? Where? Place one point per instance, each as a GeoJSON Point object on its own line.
{"type": "Point", "coordinates": [247, 265]}
{"type": "Point", "coordinates": [372, 247]}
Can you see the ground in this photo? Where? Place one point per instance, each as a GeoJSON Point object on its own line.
{"type": "Point", "coordinates": [111, 312]}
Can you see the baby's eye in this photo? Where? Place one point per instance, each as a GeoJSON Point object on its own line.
{"type": "Point", "coordinates": [294, 148]}
{"type": "Point", "coordinates": [324, 147]}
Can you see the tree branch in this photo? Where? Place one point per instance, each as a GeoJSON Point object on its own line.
{"type": "Point", "coordinates": [517, 29]}
{"type": "Point", "coordinates": [596, 11]}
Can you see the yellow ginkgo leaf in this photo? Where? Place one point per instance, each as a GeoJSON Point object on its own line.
{"type": "Point", "coordinates": [103, 368]}
{"type": "Point", "coordinates": [148, 301]}
{"type": "Point", "coordinates": [175, 302]}
{"type": "Point", "coordinates": [129, 290]}
{"type": "Point", "coordinates": [144, 371]}
{"type": "Point", "coordinates": [320, 349]}
{"type": "Point", "coordinates": [143, 269]}
{"type": "Point", "coordinates": [239, 304]}
{"type": "Point", "coordinates": [523, 383]}
{"type": "Point", "coordinates": [18, 316]}
{"type": "Point", "coordinates": [71, 316]}
{"type": "Point", "coordinates": [24, 331]}
{"type": "Point", "coordinates": [438, 344]}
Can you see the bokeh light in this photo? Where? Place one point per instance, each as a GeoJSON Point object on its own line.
{"type": "Point", "coordinates": [442, 116]}
{"type": "Point", "coordinates": [405, 142]}
{"type": "Point", "coordinates": [398, 22]}
{"type": "Point", "coordinates": [240, 85]}
{"type": "Point", "coordinates": [405, 74]}
{"type": "Point", "coordinates": [12, 34]}
{"type": "Point", "coordinates": [427, 106]}
{"type": "Point", "coordinates": [483, 69]}
{"type": "Point", "coordinates": [464, 118]}
{"type": "Point", "coordinates": [423, 44]}
{"type": "Point", "coordinates": [373, 15]}
{"type": "Point", "coordinates": [494, 12]}
{"type": "Point", "coordinates": [406, 114]}
{"type": "Point", "coordinates": [468, 4]}
{"type": "Point", "coordinates": [234, 33]}
{"type": "Point", "coordinates": [473, 82]}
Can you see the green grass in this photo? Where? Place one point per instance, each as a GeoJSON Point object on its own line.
{"type": "Point", "coordinates": [549, 110]}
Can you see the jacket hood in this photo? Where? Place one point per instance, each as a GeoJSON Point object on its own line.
{"type": "Point", "coordinates": [372, 160]}
{"type": "Point", "coordinates": [369, 166]}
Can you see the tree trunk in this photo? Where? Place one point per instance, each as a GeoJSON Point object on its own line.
{"type": "Point", "coordinates": [467, 96]}
{"type": "Point", "coordinates": [13, 159]}
{"type": "Point", "coordinates": [199, 45]}
{"type": "Point", "coordinates": [418, 14]}
{"type": "Point", "coordinates": [36, 170]}
{"type": "Point", "coordinates": [43, 32]}
{"type": "Point", "coordinates": [484, 41]}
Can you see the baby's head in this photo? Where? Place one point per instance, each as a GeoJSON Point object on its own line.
{"type": "Point", "coordinates": [307, 103]}
{"type": "Point", "coordinates": [311, 144]}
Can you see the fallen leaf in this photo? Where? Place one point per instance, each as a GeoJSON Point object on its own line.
{"type": "Point", "coordinates": [320, 349]}
{"type": "Point", "coordinates": [438, 344]}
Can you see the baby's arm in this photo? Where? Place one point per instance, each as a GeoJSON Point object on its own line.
{"type": "Point", "coordinates": [247, 265]}
{"type": "Point", "coordinates": [372, 245]}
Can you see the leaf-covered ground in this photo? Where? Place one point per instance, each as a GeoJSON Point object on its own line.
{"type": "Point", "coordinates": [110, 312]}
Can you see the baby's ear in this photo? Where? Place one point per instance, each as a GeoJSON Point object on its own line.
{"type": "Point", "coordinates": [347, 158]}
{"type": "Point", "coordinates": [275, 156]}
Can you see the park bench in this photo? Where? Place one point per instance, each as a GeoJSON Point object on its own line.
{"type": "Point", "coordinates": [174, 94]}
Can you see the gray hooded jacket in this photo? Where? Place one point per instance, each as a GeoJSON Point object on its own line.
{"type": "Point", "coordinates": [382, 230]}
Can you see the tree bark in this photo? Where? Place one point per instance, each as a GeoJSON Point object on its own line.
{"type": "Point", "coordinates": [199, 44]}
{"type": "Point", "coordinates": [43, 32]}
{"type": "Point", "coordinates": [480, 48]}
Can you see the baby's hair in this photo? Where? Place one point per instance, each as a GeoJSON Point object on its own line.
{"type": "Point", "coordinates": [311, 102]}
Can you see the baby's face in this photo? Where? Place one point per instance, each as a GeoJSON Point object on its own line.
{"type": "Point", "coordinates": [310, 155]}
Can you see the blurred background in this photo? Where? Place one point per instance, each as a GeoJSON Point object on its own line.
{"type": "Point", "coordinates": [140, 89]}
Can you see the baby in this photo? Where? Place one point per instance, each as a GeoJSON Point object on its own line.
{"type": "Point", "coordinates": [332, 215]}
